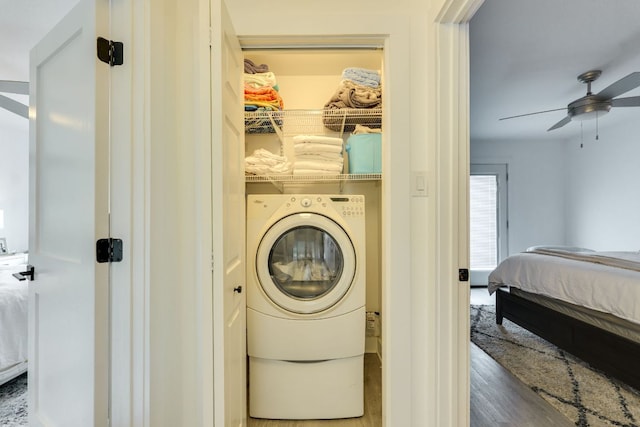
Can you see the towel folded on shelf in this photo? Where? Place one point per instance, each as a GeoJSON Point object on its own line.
{"type": "Point", "coordinates": [317, 155]}
{"type": "Point", "coordinates": [318, 139]}
{"type": "Point", "coordinates": [362, 76]}
{"type": "Point", "coordinates": [334, 157]}
{"type": "Point", "coordinates": [309, 148]}
{"type": "Point", "coordinates": [264, 162]}
{"type": "Point", "coordinates": [324, 165]}
{"type": "Point", "coordinates": [263, 96]}
{"type": "Point", "coordinates": [339, 113]}
{"type": "Point", "coordinates": [352, 95]}
{"type": "Point", "coordinates": [259, 80]}
{"type": "Point", "coordinates": [251, 68]}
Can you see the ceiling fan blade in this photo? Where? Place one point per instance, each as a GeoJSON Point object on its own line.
{"type": "Point", "coordinates": [12, 86]}
{"type": "Point", "coordinates": [561, 123]}
{"type": "Point", "coordinates": [632, 101]}
{"type": "Point", "coordinates": [14, 106]}
{"type": "Point", "coordinates": [531, 114]}
{"type": "Point", "coordinates": [623, 85]}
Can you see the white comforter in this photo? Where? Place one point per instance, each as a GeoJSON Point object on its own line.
{"type": "Point", "coordinates": [588, 283]}
{"type": "Point", "coordinates": [13, 324]}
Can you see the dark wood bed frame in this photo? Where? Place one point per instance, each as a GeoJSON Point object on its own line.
{"type": "Point", "coordinates": [617, 356]}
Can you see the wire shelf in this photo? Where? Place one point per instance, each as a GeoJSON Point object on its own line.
{"type": "Point", "coordinates": [312, 122]}
{"type": "Point", "coordinates": [313, 178]}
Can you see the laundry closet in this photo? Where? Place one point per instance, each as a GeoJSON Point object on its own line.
{"type": "Point", "coordinates": [307, 82]}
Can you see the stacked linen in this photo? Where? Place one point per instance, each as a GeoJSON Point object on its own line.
{"type": "Point", "coordinates": [359, 89]}
{"type": "Point", "coordinates": [260, 94]}
{"type": "Point", "coordinates": [362, 76]}
{"type": "Point", "coordinates": [317, 155]}
{"type": "Point", "coordinates": [264, 162]}
{"type": "Point", "coordinates": [260, 88]}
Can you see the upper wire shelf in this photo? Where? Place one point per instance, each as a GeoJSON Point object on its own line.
{"type": "Point", "coordinates": [312, 122]}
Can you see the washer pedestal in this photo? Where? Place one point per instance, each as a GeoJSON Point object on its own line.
{"type": "Point", "coordinates": [325, 389]}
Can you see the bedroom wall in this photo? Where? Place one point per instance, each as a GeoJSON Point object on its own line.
{"type": "Point", "coordinates": [603, 186]}
{"type": "Point", "coordinates": [535, 189]}
{"type": "Point", "coordinates": [14, 182]}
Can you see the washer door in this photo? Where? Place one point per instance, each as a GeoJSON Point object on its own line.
{"type": "Point", "coordinates": [305, 263]}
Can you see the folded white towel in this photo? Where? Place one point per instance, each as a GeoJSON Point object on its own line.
{"type": "Point", "coordinates": [260, 79]}
{"type": "Point", "coordinates": [319, 156]}
{"type": "Point", "coordinates": [282, 169]}
{"type": "Point", "coordinates": [263, 162]}
{"type": "Point", "coordinates": [309, 147]}
{"type": "Point", "coordinates": [319, 165]}
{"type": "Point", "coordinates": [317, 139]}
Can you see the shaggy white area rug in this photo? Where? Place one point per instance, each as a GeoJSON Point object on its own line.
{"type": "Point", "coordinates": [586, 396]}
{"type": "Point", "coordinates": [13, 402]}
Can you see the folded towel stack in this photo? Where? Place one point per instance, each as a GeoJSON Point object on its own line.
{"type": "Point", "coordinates": [317, 155]}
{"type": "Point", "coordinates": [260, 94]}
{"type": "Point", "coordinates": [264, 162]}
{"type": "Point", "coordinates": [251, 68]}
{"type": "Point", "coordinates": [260, 87]}
{"type": "Point", "coordinates": [359, 89]}
{"type": "Point", "coordinates": [362, 76]}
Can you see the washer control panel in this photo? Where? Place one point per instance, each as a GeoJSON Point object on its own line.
{"type": "Point", "coordinates": [346, 205]}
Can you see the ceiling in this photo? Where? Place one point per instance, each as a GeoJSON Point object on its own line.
{"type": "Point", "coordinates": [22, 24]}
{"type": "Point", "coordinates": [526, 56]}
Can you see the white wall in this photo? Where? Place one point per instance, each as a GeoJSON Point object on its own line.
{"type": "Point", "coordinates": [14, 183]}
{"type": "Point", "coordinates": [536, 200]}
{"type": "Point", "coordinates": [603, 187]}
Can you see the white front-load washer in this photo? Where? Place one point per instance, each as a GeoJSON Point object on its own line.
{"type": "Point", "coordinates": [306, 289]}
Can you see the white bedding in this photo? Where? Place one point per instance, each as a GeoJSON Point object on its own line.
{"type": "Point", "coordinates": [13, 324]}
{"type": "Point", "coordinates": [601, 287]}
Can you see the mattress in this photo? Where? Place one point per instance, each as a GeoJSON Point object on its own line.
{"type": "Point", "coordinates": [612, 289]}
{"type": "Point", "coordinates": [13, 323]}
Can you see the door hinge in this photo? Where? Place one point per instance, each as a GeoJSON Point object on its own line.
{"type": "Point", "coordinates": [109, 250]}
{"type": "Point", "coordinates": [463, 275]}
{"type": "Point", "coordinates": [110, 52]}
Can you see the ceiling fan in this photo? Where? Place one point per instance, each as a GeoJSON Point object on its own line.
{"type": "Point", "coordinates": [21, 88]}
{"type": "Point", "coordinates": [593, 106]}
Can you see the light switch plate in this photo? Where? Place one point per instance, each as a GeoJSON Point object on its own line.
{"type": "Point", "coordinates": [419, 184]}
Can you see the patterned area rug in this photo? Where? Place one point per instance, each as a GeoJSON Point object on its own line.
{"type": "Point", "coordinates": [13, 402]}
{"type": "Point", "coordinates": [585, 396]}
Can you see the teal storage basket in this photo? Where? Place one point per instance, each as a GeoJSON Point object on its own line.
{"type": "Point", "coordinates": [365, 153]}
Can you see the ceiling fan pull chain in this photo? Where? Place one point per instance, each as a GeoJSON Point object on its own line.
{"type": "Point", "coordinates": [597, 131]}
{"type": "Point", "coordinates": [581, 136]}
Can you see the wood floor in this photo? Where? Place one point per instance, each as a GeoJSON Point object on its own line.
{"type": "Point", "coordinates": [498, 399]}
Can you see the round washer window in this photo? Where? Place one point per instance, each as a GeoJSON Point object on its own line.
{"type": "Point", "coordinates": [305, 263]}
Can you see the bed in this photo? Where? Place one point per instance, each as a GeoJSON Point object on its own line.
{"type": "Point", "coordinates": [585, 302]}
{"type": "Point", "coordinates": [13, 323]}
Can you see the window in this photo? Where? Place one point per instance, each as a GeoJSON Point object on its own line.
{"type": "Point", "coordinates": [488, 219]}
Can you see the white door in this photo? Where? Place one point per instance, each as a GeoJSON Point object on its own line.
{"type": "Point", "coordinates": [68, 205]}
{"type": "Point", "coordinates": [229, 310]}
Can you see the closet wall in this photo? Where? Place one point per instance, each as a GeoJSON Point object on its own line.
{"type": "Point", "coordinates": [307, 78]}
